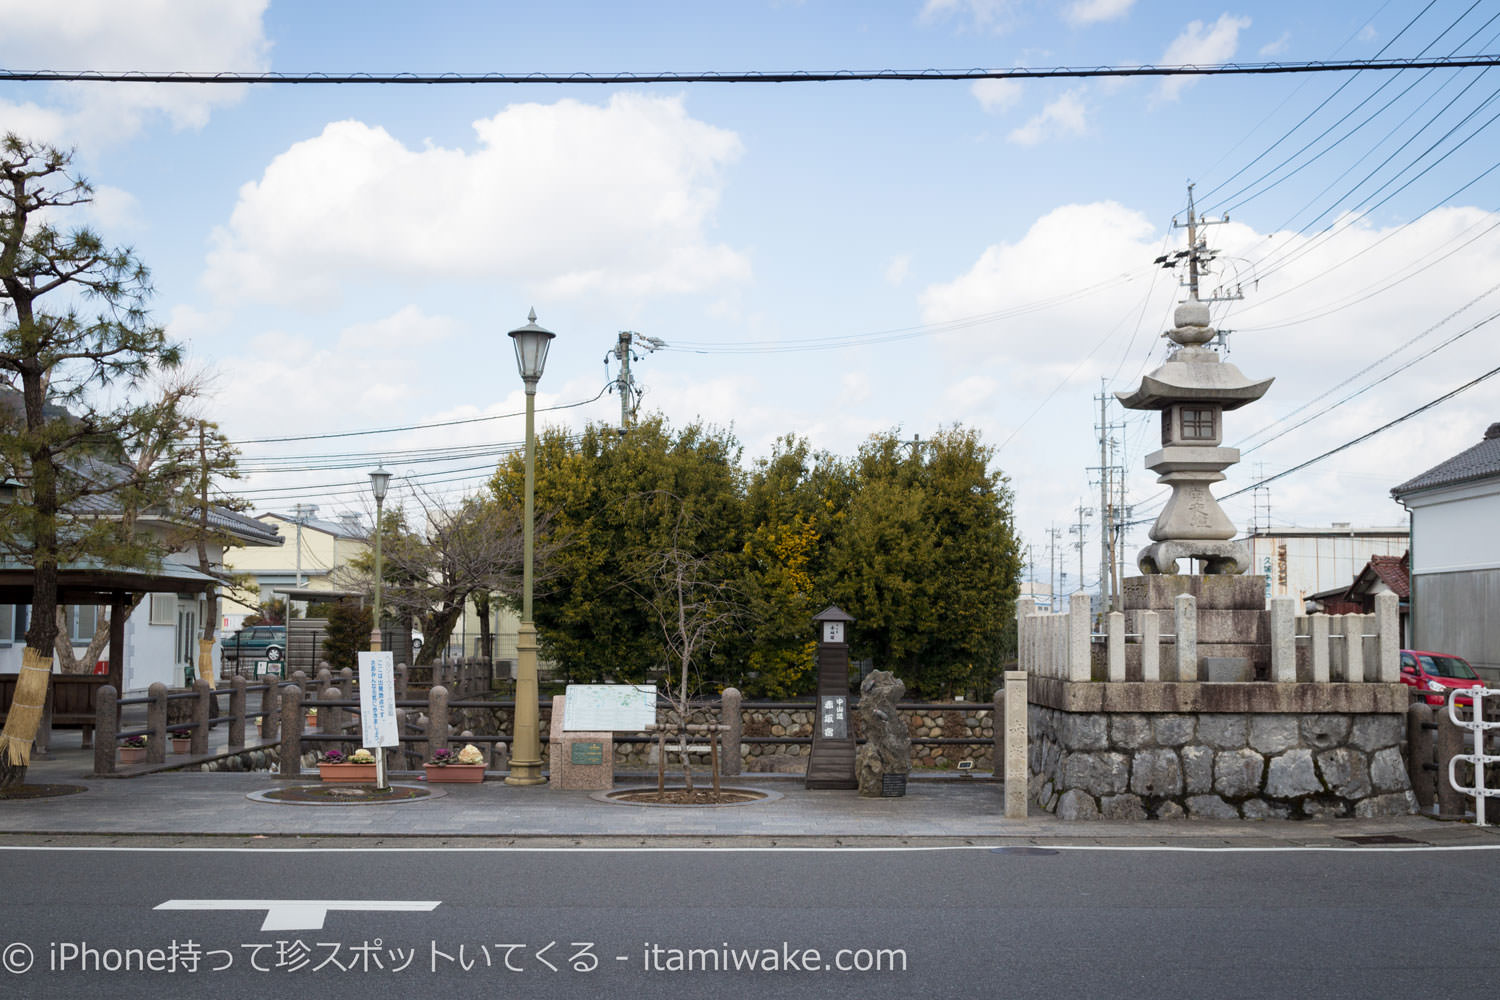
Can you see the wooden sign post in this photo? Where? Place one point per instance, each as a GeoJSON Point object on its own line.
{"type": "Point", "coordinates": [831, 764]}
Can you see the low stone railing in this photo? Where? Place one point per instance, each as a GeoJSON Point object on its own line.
{"type": "Point", "coordinates": [1315, 648]}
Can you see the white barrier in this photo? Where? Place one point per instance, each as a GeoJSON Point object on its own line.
{"type": "Point", "coordinates": [1478, 758]}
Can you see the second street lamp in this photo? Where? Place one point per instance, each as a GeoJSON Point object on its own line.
{"type": "Point", "coordinates": [531, 343]}
{"type": "Point", "coordinates": [379, 481]}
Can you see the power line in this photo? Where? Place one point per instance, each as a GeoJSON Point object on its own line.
{"type": "Point", "coordinates": [1366, 436]}
{"type": "Point", "coordinates": [750, 76]}
{"type": "Point", "coordinates": [422, 427]}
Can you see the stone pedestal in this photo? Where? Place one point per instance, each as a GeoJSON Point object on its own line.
{"type": "Point", "coordinates": [579, 760]}
{"type": "Point", "coordinates": [1233, 625]}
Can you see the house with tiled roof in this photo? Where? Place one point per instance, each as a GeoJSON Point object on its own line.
{"type": "Point", "coordinates": [1381, 575]}
{"type": "Point", "coordinates": [1455, 555]}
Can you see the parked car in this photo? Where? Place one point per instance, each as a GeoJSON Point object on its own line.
{"type": "Point", "coordinates": [1438, 673]}
{"type": "Point", "coordinates": [259, 642]}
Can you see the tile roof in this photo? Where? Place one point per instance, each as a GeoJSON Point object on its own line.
{"type": "Point", "coordinates": [1478, 462]}
{"type": "Point", "coordinates": [1391, 571]}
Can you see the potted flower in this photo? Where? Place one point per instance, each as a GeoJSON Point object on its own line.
{"type": "Point", "coordinates": [182, 742]}
{"type": "Point", "coordinates": [133, 750]}
{"type": "Point", "coordinates": [461, 765]}
{"type": "Point", "coordinates": [357, 767]}
{"type": "Point", "coordinates": [311, 721]}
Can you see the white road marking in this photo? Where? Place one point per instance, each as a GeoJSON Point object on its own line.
{"type": "Point", "coordinates": [302, 914]}
{"type": "Point", "coordinates": [844, 849]}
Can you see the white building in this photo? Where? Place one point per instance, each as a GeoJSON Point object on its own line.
{"type": "Point", "coordinates": [1299, 562]}
{"type": "Point", "coordinates": [1455, 555]}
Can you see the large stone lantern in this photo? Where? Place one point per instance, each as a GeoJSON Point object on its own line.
{"type": "Point", "coordinates": [1193, 390]}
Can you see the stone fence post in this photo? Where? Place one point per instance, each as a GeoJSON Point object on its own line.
{"type": "Point", "coordinates": [729, 715]}
{"type": "Point", "coordinates": [237, 711]}
{"type": "Point", "coordinates": [1017, 778]}
{"type": "Point", "coordinates": [1284, 639]}
{"type": "Point", "coordinates": [1150, 646]}
{"type": "Point", "coordinates": [1185, 611]}
{"type": "Point", "coordinates": [403, 674]}
{"type": "Point", "coordinates": [291, 732]}
{"type": "Point", "coordinates": [1450, 743]}
{"type": "Point", "coordinates": [437, 720]}
{"type": "Point", "coordinates": [1115, 649]}
{"type": "Point", "coordinates": [1025, 606]}
{"type": "Point", "coordinates": [156, 721]}
{"type": "Point", "coordinates": [1079, 621]}
{"type": "Point", "coordinates": [1419, 732]}
{"type": "Point", "coordinates": [1388, 627]}
{"type": "Point", "coordinates": [202, 705]}
{"type": "Point", "coordinates": [270, 712]}
{"type": "Point", "coordinates": [106, 729]}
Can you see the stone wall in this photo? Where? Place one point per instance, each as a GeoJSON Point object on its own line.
{"type": "Point", "coordinates": [1217, 765]}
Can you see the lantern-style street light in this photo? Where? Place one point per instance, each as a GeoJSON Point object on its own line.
{"type": "Point", "coordinates": [531, 343]}
{"type": "Point", "coordinates": [379, 481]}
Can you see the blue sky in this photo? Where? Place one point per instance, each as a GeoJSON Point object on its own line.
{"type": "Point", "coordinates": [347, 258]}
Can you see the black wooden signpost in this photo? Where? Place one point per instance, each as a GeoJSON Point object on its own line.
{"type": "Point", "coordinates": [832, 762]}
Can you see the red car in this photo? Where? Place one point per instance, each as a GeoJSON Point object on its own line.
{"type": "Point", "coordinates": [1437, 673]}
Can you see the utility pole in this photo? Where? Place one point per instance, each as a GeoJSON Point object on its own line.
{"type": "Point", "coordinates": [1106, 547]}
{"type": "Point", "coordinates": [1198, 258]}
{"type": "Point", "coordinates": [304, 511]}
{"type": "Point", "coordinates": [1078, 529]}
{"type": "Point", "coordinates": [1052, 537]}
{"type": "Point", "coordinates": [624, 384]}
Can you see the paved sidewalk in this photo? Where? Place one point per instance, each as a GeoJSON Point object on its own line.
{"type": "Point", "coordinates": [934, 812]}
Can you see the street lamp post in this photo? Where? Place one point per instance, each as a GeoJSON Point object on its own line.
{"type": "Point", "coordinates": [531, 343]}
{"type": "Point", "coordinates": [379, 481]}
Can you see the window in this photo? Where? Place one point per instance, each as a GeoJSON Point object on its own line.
{"type": "Point", "coordinates": [7, 623]}
{"type": "Point", "coordinates": [1197, 424]}
{"type": "Point", "coordinates": [163, 609]}
{"type": "Point", "coordinates": [83, 619]}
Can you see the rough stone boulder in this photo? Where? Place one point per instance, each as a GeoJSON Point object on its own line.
{"type": "Point", "coordinates": [887, 747]}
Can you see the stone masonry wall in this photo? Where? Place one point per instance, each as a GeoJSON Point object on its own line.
{"type": "Point", "coordinates": [1231, 765]}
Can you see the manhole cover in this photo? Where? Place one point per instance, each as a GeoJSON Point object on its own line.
{"type": "Point", "coordinates": [338, 794]}
{"type": "Point", "coordinates": [22, 793]}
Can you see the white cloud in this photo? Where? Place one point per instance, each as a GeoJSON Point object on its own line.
{"type": "Point", "coordinates": [145, 35]}
{"type": "Point", "coordinates": [1065, 116]}
{"type": "Point", "coordinates": [1277, 47]}
{"type": "Point", "coordinates": [1368, 33]}
{"type": "Point", "coordinates": [409, 327]}
{"type": "Point", "coordinates": [570, 199]}
{"type": "Point", "coordinates": [854, 388]}
{"type": "Point", "coordinates": [1085, 12]}
{"type": "Point", "coordinates": [996, 95]}
{"type": "Point", "coordinates": [1200, 45]}
{"type": "Point", "coordinates": [997, 16]}
{"type": "Point", "coordinates": [897, 270]}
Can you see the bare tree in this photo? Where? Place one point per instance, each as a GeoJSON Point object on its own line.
{"type": "Point", "coordinates": [697, 605]}
{"type": "Point", "coordinates": [459, 550]}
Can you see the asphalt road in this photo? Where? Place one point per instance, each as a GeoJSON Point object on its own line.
{"type": "Point", "coordinates": [1014, 923]}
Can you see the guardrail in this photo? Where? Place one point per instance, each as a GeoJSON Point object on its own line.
{"type": "Point", "coordinates": [1479, 726]}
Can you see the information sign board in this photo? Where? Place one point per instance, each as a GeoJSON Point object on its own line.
{"type": "Point", "coordinates": [377, 700]}
{"type": "Point", "coordinates": [588, 752]}
{"type": "Point", "coordinates": [833, 717]}
{"type": "Point", "coordinates": [603, 708]}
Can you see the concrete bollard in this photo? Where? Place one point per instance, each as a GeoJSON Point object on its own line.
{"type": "Point", "coordinates": [732, 763]}
{"type": "Point", "coordinates": [156, 721]}
{"type": "Point", "coordinates": [106, 729]}
{"type": "Point", "coordinates": [237, 711]}
{"type": "Point", "coordinates": [1419, 753]}
{"type": "Point", "coordinates": [201, 714]}
{"type": "Point", "coordinates": [291, 733]}
{"type": "Point", "coordinates": [437, 720]}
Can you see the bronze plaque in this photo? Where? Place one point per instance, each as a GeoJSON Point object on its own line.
{"type": "Point", "coordinates": [588, 753]}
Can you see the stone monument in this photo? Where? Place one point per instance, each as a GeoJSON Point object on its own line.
{"type": "Point", "coordinates": [884, 761]}
{"type": "Point", "coordinates": [1193, 390]}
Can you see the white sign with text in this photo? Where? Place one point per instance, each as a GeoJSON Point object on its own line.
{"type": "Point", "coordinates": [377, 700]}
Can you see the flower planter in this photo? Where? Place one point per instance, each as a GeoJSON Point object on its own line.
{"type": "Point", "coordinates": [470, 773]}
{"type": "Point", "coordinates": [182, 745]}
{"type": "Point", "coordinates": [357, 774]}
{"type": "Point", "coordinates": [310, 722]}
{"type": "Point", "coordinates": [132, 755]}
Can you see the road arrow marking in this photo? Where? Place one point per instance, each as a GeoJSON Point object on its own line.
{"type": "Point", "coordinates": [302, 914]}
